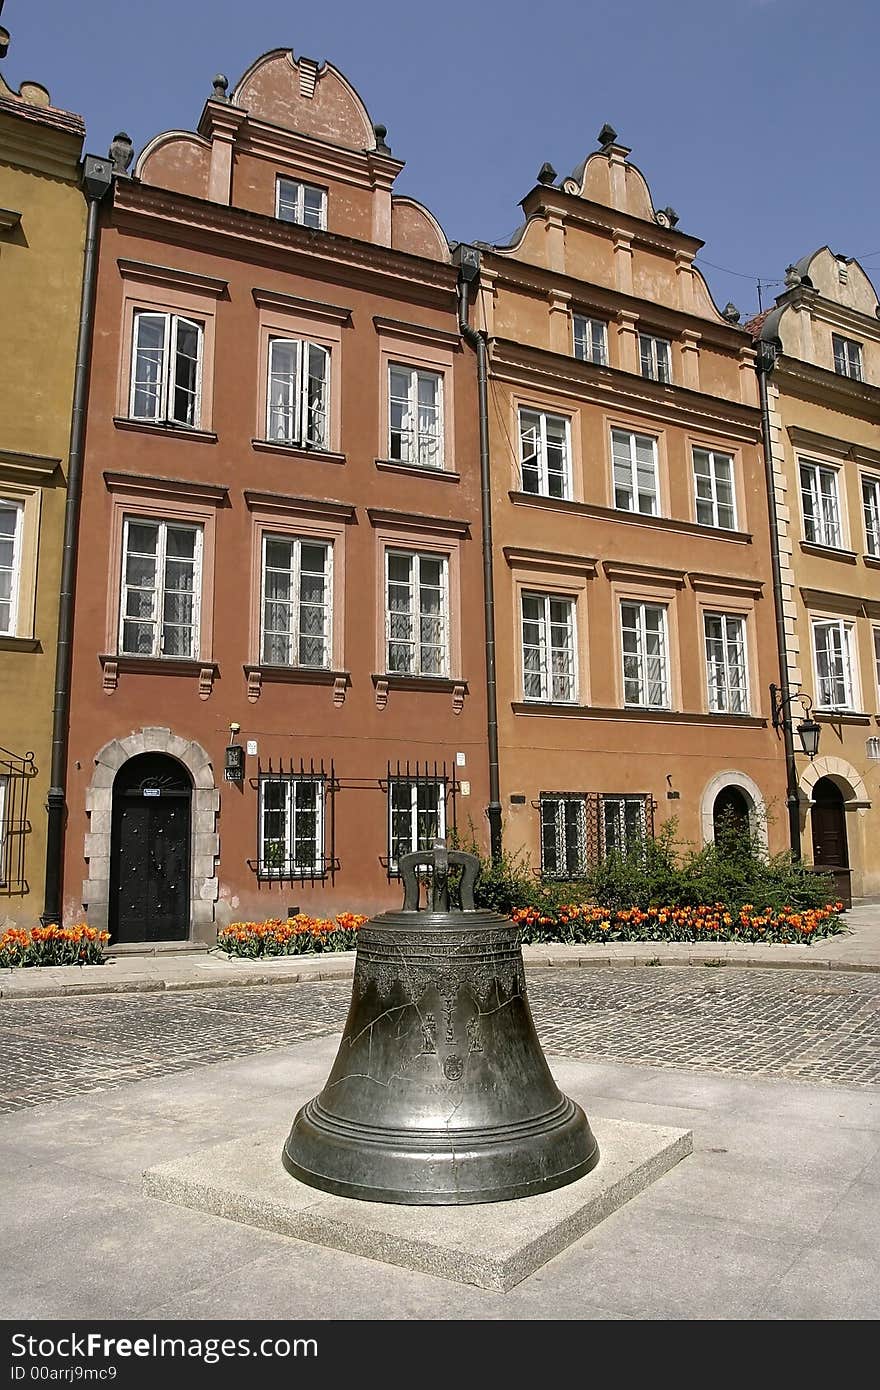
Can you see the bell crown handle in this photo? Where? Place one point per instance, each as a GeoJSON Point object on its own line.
{"type": "Point", "coordinates": [438, 859]}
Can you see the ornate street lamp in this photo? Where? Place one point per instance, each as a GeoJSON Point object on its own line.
{"type": "Point", "coordinates": [807, 730]}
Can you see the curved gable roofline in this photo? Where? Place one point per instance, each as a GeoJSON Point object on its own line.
{"type": "Point", "coordinates": [274, 54]}
{"type": "Point", "coordinates": [414, 202]}
{"type": "Point", "coordinates": [157, 140]}
{"type": "Point", "coordinates": [577, 179]}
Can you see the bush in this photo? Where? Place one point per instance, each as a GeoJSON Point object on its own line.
{"type": "Point", "coordinates": [53, 945]}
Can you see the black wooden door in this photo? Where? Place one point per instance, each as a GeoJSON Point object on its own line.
{"type": "Point", "coordinates": [830, 848]}
{"type": "Point", "coordinates": [149, 851]}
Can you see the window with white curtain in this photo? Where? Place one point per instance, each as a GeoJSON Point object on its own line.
{"type": "Point", "coordinates": [548, 648]}
{"type": "Point", "coordinates": [714, 489]}
{"type": "Point", "coordinates": [847, 357]}
{"type": "Point", "coordinates": [298, 393]}
{"type": "Point", "coordinates": [655, 356]}
{"type": "Point", "coordinates": [645, 655]}
{"type": "Point", "coordinates": [161, 588]}
{"type": "Point", "coordinates": [590, 340]}
{"type": "Point", "coordinates": [291, 827]}
{"type": "Point", "coordinates": [11, 517]}
{"type": "Point", "coordinates": [634, 460]}
{"type": "Point", "coordinates": [415, 416]}
{"type": "Point", "coordinates": [301, 202]}
{"type": "Point", "coordinates": [834, 653]}
{"type": "Point", "coordinates": [545, 453]}
{"type": "Point", "coordinates": [820, 504]}
{"type": "Point", "coordinates": [296, 602]}
{"type": "Point", "coordinates": [166, 368]}
{"type": "Point", "coordinates": [417, 613]}
{"type": "Point", "coordinates": [871, 506]}
{"type": "Point", "coordinates": [726, 667]}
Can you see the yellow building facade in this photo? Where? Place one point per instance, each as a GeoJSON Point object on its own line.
{"type": "Point", "coordinates": [824, 398]}
{"type": "Point", "coordinates": [42, 230]}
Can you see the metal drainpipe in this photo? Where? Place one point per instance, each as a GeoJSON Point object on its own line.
{"type": "Point", "coordinates": [97, 178]}
{"type": "Point", "coordinates": [764, 364]}
{"type": "Point", "coordinates": [478, 342]}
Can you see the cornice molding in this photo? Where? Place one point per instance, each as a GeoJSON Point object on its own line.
{"type": "Point", "coordinates": [33, 467]}
{"type": "Point", "coordinates": [518, 557]}
{"type": "Point", "coordinates": [833, 447]}
{"type": "Point", "coordinates": [725, 583]}
{"type": "Point", "coordinates": [37, 144]}
{"type": "Point", "coordinates": [319, 507]}
{"type": "Point", "coordinates": [659, 523]}
{"type": "Point", "coordinates": [170, 277]}
{"type": "Point", "coordinates": [644, 574]}
{"type": "Point", "coordinates": [9, 219]}
{"type": "Point", "coordinates": [146, 484]}
{"type": "Point", "coordinates": [836, 602]}
{"type": "Point", "coordinates": [814, 383]}
{"type": "Point", "coordinates": [307, 308]}
{"type": "Point", "coordinates": [417, 521]}
{"type": "Point", "coordinates": [417, 332]}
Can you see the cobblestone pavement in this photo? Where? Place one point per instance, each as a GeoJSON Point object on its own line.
{"type": "Point", "coordinates": [770, 1023]}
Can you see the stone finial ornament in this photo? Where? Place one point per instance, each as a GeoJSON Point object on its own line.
{"type": "Point", "coordinates": [4, 36]}
{"type": "Point", "coordinates": [666, 217]}
{"type": "Point", "coordinates": [792, 276]}
{"type": "Point", "coordinates": [380, 131]}
{"type": "Point", "coordinates": [221, 88]}
{"type": "Point", "coordinates": [121, 151]}
{"type": "Point", "coordinates": [607, 135]}
{"type": "Point", "coordinates": [546, 174]}
{"type": "Point", "coordinates": [731, 313]}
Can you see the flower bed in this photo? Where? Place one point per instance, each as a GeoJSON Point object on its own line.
{"type": "Point", "coordinates": [291, 937]}
{"type": "Point", "coordinates": [77, 945]}
{"type": "Point", "coordinates": [579, 923]}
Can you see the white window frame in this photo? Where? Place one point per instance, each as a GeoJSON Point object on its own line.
{"type": "Point", "coordinates": [620, 801]}
{"type": "Point", "coordinates": [547, 649]}
{"type": "Point", "coordinates": [419, 442]}
{"type": "Point", "coordinates": [715, 457]}
{"type": "Point", "coordinates": [655, 354]}
{"type": "Point", "coordinates": [164, 406]}
{"type": "Point", "coordinates": [841, 655]}
{"type": "Point", "coordinates": [295, 604]}
{"type": "Point", "coordinates": [721, 700]}
{"type": "Point", "coordinates": [157, 618]}
{"type": "Point", "coordinates": [300, 410]}
{"type": "Point", "coordinates": [847, 354]}
{"type": "Point", "coordinates": [871, 513]}
{"type": "Point", "coordinates": [296, 197]}
{"type": "Point", "coordinates": [827, 527]}
{"type": "Point", "coordinates": [317, 866]}
{"type": "Point", "coordinates": [415, 612]}
{"type": "Point", "coordinates": [590, 333]}
{"type": "Point", "coordinates": [543, 470]}
{"type": "Point", "coordinates": [642, 656]}
{"type": "Point", "coordinates": [17, 508]}
{"type": "Point", "coordinates": [415, 784]}
{"type": "Point", "coordinates": [559, 805]}
{"type": "Point", "coordinates": [634, 495]}
{"type": "Point", "coordinates": [876, 637]}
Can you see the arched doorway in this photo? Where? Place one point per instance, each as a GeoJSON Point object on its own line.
{"type": "Point", "coordinates": [150, 850]}
{"type": "Point", "coordinates": [828, 820]}
{"type": "Point", "coordinates": [730, 814]}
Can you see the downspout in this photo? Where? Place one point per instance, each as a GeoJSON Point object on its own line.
{"type": "Point", "coordinates": [469, 269]}
{"type": "Point", "coordinates": [97, 177]}
{"type": "Point", "coordinates": [764, 364]}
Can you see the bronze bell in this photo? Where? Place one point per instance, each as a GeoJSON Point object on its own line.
{"type": "Point", "coordinates": [440, 1093]}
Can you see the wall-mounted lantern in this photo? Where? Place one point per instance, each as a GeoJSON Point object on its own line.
{"type": "Point", "coordinates": [234, 769]}
{"type": "Point", "coordinates": [807, 730]}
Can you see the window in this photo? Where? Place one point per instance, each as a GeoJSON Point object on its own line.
{"type": "Point", "coordinates": [548, 647]}
{"type": "Point", "coordinates": [415, 416]}
{"type": "Point", "coordinates": [656, 358]}
{"type": "Point", "coordinates": [563, 836]}
{"type": "Point", "coordinates": [545, 453]}
{"type": "Point", "coordinates": [847, 357]}
{"type": "Point", "coordinates": [713, 486]}
{"type": "Point", "coordinates": [871, 504]}
{"type": "Point", "coordinates": [416, 816]}
{"type": "Point", "coordinates": [166, 368]}
{"type": "Point", "coordinates": [11, 514]}
{"type": "Point", "coordinates": [726, 671]}
{"type": "Point", "coordinates": [645, 659]}
{"type": "Point", "coordinates": [296, 604]}
{"type": "Point", "coordinates": [302, 203]}
{"type": "Point", "coordinates": [834, 650]}
{"type": "Point", "coordinates": [161, 589]}
{"type": "Point", "coordinates": [591, 340]}
{"type": "Point", "coordinates": [299, 376]}
{"type": "Point", "coordinates": [292, 827]}
{"type": "Point", "coordinates": [624, 824]}
{"type": "Point", "coordinates": [417, 613]}
{"type": "Point", "coordinates": [634, 458]}
{"type": "Point", "coordinates": [821, 509]}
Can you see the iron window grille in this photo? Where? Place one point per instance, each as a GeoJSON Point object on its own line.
{"type": "Point", "coordinates": [590, 340]}
{"type": "Point", "coordinates": [847, 357]}
{"type": "Point", "coordinates": [421, 808]}
{"type": "Point", "coordinates": [166, 369]}
{"type": "Point", "coordinates": [161, 589]}
{"type": "Point", "coordinates": [16, 771]}
{"type": "Point", "coordinates": [11, 514]}
{"type": "Point", "coordinates": [302, 203]}
{"type": "Point", "coordinates": [297, 400]}
{"type": "Point", "coordinates": [296, 822]}
{"type": "Point", "coordinates": [580, 829]}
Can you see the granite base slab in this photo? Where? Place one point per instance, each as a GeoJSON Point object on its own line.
{"type": "Point", "coordinates": [492, 1246]}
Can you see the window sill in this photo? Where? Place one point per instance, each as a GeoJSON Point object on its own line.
{"type": "Point", "coordinates": [831, 552]}
{"type": "Point", "coordinates": [165, 428]}
{"type": "Point", "coordinates": [296, 451]}
{"type": "Point", "coordinates": [842, 716]}
{"type": "Point", "coordinates": [636, 712]}
{"type": "Point", "coordinates": [418, 470]}
{"type": "Point", "coordinates": [663, 523]}
{"type": "Point", "coordinates": [20, 644]}
{"type": "Point", "coordinates": [394, 680]}
{"type": "Point", "coordinates": [113, 664]}
{"type": "Point", "coordinates": [872, 561]}
{"type": "Point", "coordinates": [257, 673]}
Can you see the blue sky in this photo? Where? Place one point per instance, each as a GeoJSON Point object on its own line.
{"type": "Point", "coordinates": [755, 119]}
